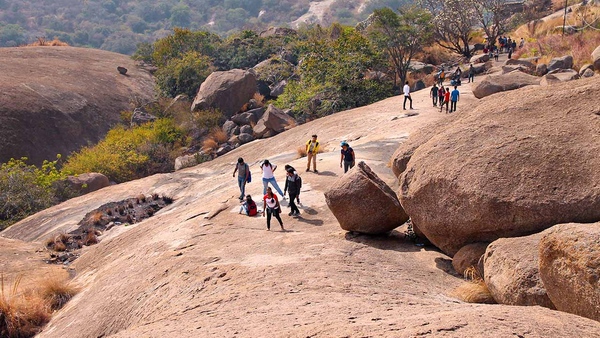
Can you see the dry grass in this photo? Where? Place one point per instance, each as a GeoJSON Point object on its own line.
{"type": "Point", "coordinates": [57, 291]}
{"type": "Point", "coordinates": [96, 218]}
{"type": "Point", "coordinates": [21, 315]}
{"type": "Point", "coordinates": [209, 145]}
{"type": "Point", "coordinates": [301, 152]}
{"type": "Point", "coordinates": [474, 289]}
{"type": "Point", "coordinates": [260, 99]}
{"type": "Point", "coordinates": [43, 42]}
{"type": "Point", "coordinates": [90, 237]}
{"type": "Point", "coordinates": [218, 135]}
{"type": "Point", "coordinates": [141, 198]}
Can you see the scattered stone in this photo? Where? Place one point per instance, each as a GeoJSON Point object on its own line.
{"type": "Point", "coordinates": [519, 62]}
{"type": "Point", "coordinates": [559, 75]}
{"type": "Point", "coordinates": [246, 129]}
{"type": "Point", "coordinates": [468, 256]}
{"type": "Point", "coordinates": [122, 70]}
{"type": "Point", "coordinates": [273, 121]}
{"type": "Point", "coordinates": [185, 161]}
{"type": "Point", "coordinates": [227, 91]}
{"type": "Point", "coordinates": [223, 149]}
{"type": "Point", "coordinates": [245, 138]}
{"type": "Point", "coordinates": [228, 127]}
{"type": "Point", "coordinates": [481, 58]}
{"type": "Point", "coordinates": [541, 69]}
{"type": "Point", "coordinates": [512, 272]}
{"type": "Point", "coordinates": [586, 67]}
{"type": "Point", "coordinates": [564, 62]}
{"type": "Point", "coordinates": [354, 197]}
{"type": "Point", "coordinates": [570, 268]}
{"type": "Point", "coordinates": [588, 73]}
{"type": "Point", "coordinates": [505, 82]}
{"type": "Point", "coordinates": [140, 117]}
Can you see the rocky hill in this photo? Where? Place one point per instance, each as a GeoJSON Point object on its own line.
{"type": "Point", "coordinates": [57, 99]}
{"type": "Point", "coordinates": [198, 268]}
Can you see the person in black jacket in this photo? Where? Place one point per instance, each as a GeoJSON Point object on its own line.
{"type": "Point", "coordinates": [293, 183]}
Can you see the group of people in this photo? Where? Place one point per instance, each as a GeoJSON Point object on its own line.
{"type": "Point", "coordinates": [445, 97]}
{"type": "Point", "coordinates": [293, 182]}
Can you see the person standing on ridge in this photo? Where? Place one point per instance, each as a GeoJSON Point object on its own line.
{"type": "Point", "coordinates": [293, 184]}
{"type": "Point", "coordinates": [441, 93]}
{"type": "Point", "coordinates": [268, 176]}
{"type": "Point", "coordinates": [446, 100]}
{"type": "Point", "coordinates": [312, 148]}
{"type": "Point", "coordinates": [434, 94]}
{"type": "Point", "coordinates": [271, 204]}
{"type": "Point", "coordinates": [347, 155]}
{"type": "Point", "coordinates": [407, 96]}
{"type": "Point", "coordinates": [243, 174]}
{"type": "Point", "coordinates": [454, 97]}
{"type": "Point", "coordinates": [471, 73]}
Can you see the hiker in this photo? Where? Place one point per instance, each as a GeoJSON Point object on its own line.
{"type": "Point", "coordinates": [248, 207]}
{"type": "Point", "coordinates": [293, 184]}
{"type": "Point", "coordinates": [243, 176]}
{"type": "Point", "coordinates": [312, 148]}
{"type": "Point", "coordinates": [458, 72]}
{"type": "Point", "coordinates": [271, 204]}
{"type": "Point", "coordinates": [441, 93]}
{"type": "Point", "coordinates": [347, 155]}
{"type": "Point", "coordinates": [268, 176]}
{"type": "Point", "coordinates": [454, 97]}
{"type": "Point", "coordinates": [287, 167]}
{"type": "Point", "coordinates": [496, 55]}
{"type": "Point", "coordinates": [434, 94]}
{"type": "Point", "coordinates": [522, 43]}
{"type": "Point", "coordinates": [471, 73]}
{"type": "Point", "coordinates": [510, 51]}
{"type": "Point", "coordinates": [446, 100]}
{"type": "Point", "coordinates": [406, 91]}
{"type": "Point", "coordinates": [441, 77]}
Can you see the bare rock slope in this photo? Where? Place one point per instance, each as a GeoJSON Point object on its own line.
{"type": "Point", "coordinates": [179, 274]}
{"type": "Point", "coordinates": [58, 99]}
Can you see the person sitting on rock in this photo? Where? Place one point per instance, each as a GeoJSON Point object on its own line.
{"type": "Point", "coordinates": [249, 207]}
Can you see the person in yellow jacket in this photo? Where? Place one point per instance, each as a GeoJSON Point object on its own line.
{"type": "Point", "coordinates": [312, 148]}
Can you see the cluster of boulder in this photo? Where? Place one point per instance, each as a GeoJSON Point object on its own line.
{"type": "Point", "coordinates": [511, 187]}
{"type": "Point", "coordinates": [517, 73]}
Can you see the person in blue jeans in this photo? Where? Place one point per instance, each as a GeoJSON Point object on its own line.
{"type": "Point", "coordinates": [243, 172]}
{"type": "Point", "coordinates": [268, 176]}
{"type": "Point", "coordinates": [454, 97]}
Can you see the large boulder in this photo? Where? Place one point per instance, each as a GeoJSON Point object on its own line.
{"type": "Point", "coordinates": [511, 68]}
{"type": "Point", "coordinates": [229, 127]}
{"type": "Point", "coordinates": [500, 83]}
{"type": "Point", "coordinates": [273, 121]}
{"type": "Point", "coordinates": [541, 69]}
{"type": "Point", "coordinates": [481, 58]}
{"type": "Point", "coordinates": [512, 273]}
{"type": "Point", "coordinates": [557, 76]}
{"type": "Point", "coordinates": [518, 62]}
{"type": "Point", "coordinates": [516, 164]}
{"type": "Point", "coordinates": [245, 138]}
{"type": "Point", "coordinates": [353, 198]}
{"type": "Point", "coordinates": [73, 103]}
{"type": "Point", "coordinates": [588, 73]}
{"type": "Point", "coordinates": [468, 256]}
{"type": "Point", "coordinates": [86, 183]}
{"type": "Point", "coordinates": [227, 91]}
{"type": "Point", "coordinates": [564, 62]}
{"type": "Point", "coordinates": [570, 268]}
{"type": "Point", "coordinates": [596, 58]}
{"type": "Point", "coordinates": [185, 161]}
{"type": "Point", "coordinates": [420, 67]}
{"type": "Point", "coordinates": [586, 67]}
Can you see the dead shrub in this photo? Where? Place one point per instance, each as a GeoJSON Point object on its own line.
{"type": "Point", "coordinates": [141, 198]}
{"type": "Point", "coordinates": [474, 289]}
{"type": "Point", "coordinates": [209, 145]}
{"type": "Point", "coordinates": [41, 41]}
{"type": "Point", "coordinates": [59, 246]}
{"type": "Point", "coordinates": [57, 291]}
{"type": "Point", "coordinates": [96, 218]}
{"type": "Point", "coordinates": [90, 237]}
{"type": "Point", "coordinates": [21, 315]}
{"type": "Point", "coordinates": [301, 152]}
{"type": "Point", "coordinates": [260, 99]}
{"type": "Point", "coordinates": [219, 135]}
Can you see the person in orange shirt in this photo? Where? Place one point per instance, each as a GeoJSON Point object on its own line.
{"type": "Point", "coordinates": [446, 100]}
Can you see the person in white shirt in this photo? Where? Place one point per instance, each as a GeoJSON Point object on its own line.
{"type": "Point", "coordinates": [268, 176]}
{"type": "Point", "coordinates": [407, 95]}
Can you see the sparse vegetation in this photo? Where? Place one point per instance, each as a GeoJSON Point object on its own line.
{"type": "Point", "coordinates": [57, 291]}
{"type": "Point", "coordinates": [474, 290]}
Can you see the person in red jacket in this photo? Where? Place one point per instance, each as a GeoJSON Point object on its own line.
{"type": "Point", "coordinates": [271, 204]}
{"type": "Point", "coordinates": [446, 100]}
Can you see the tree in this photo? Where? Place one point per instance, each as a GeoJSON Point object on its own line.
{"type": "Point", "coordinates": [453, 22]}
{"type": "Point", "coordinates": [184, 75]}
{"type": "Point", "coordinates": [401, 35]}
{"type": "Point", "coordinates": [493, 17]}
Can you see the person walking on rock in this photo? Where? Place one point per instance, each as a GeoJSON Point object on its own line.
{"type": "Point", "coordinates": [407, 95]}
{"type": "Point", "coordinates": [243, 172]}
{"type": "Point", "coordinates": [293, 184]}
{"type": "Point", "coordinates": [268, 176]}
{"type": "Point", "coordinates": [441, 93]}
{"type": "Point", "coordinates": [454, 97]}
{"type": "Point", "coordinates": [471, 73]}
{"type": "Point", "coordinates": [446, 100]}
{"type": "Point", "coordinates": [271, 204]}
{"type": "Point", "coordinates": [347, 157]}
{"type": "Point", "coordinates": [434, 94]}
{"type": "Point", "coordinates": [312, 148]}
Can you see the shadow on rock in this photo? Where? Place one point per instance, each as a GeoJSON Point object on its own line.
{"type": "Point", "coordinates": [445, 265]}
{"type": "Point", "coordinates": [327, 173]}
{"type": "Point", "coordinates": [395, 240]}
{"type": "Point", "coordinates": [309, 211]}
{"type": "Point", "coordinates": [315, 222]}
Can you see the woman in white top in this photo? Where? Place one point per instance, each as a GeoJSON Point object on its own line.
{"type": "Point", "coordinates": [268, 176]}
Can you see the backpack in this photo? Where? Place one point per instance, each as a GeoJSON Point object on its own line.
{"type": "Point", "coordinates": [252, 209]}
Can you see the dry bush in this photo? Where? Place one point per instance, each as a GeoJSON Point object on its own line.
{"type": "Point", "coordinates": [90, 238]}
{"type": "Point", "coordinates": [218, 135]}
{"type": "Point", "coordinates": [41, 41]}
{"type": "Point", "coordinates": [59, 246]}
{"type": "Point", "coordinates": [141, 198]}
{"type": "Point", "coordinates": [260, 99]}
{"type": "Point", "coordinates": [57, 291]}
{"type": "Point", "coordinates": [96, 218]}
{"type": "Point", "coordinates": [435, 55]}
{"type": "Point", "coordinates": [580, 46]}
{"type": "Point", "coordinates": [474, 289]}
{"type": "Point", "coordinates": [21, 315]}
{"type": "Point", "coordinates": [209, 145]}
{"type": "Point", "coordinates": [301, 152]}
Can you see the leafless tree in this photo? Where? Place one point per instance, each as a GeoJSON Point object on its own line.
{"type": "Point", "coordinates": [453, 22]}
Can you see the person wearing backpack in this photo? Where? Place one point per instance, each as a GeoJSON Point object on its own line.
{"type": "Point", "coordinates": [271, 204]}
{"type": "Point", "coordinates": [249, 207]}
{"type": "Point", "coordinates": [243, 176]}
{"type": "Point", "coordinates": [293, 184]}
{"type": "Point", "coordinates": [312, 148]}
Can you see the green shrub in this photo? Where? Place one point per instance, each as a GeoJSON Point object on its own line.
{"type": "Point", "coordinates": [27, 189]}
{"type": "Point", "coordinates": [127, 154]}
{"type": "Point", "coordinates": [185, 75]}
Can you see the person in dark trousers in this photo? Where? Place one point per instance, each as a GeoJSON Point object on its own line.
{"type": "Point", "coordinates": [446, 100]}
{"type": "Point", "coordinates": [471, 73]}
{"type": "Point", "coordinates": [347, 156]}
{"type": "Point", "coordinates": [271, 204]}
{"type": "Point", "coordinates": [434, 94]}
{"type": "Point", "coordinates": [293, 184]}
{"type": "Point", "coordinates": [441, 93]}
{"type": "Point", "coordinates": [454, 97]}
{"type": "Point", "coordinates": [407, 96]}
{"type": "Point", "coordinates": [243, 172]}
